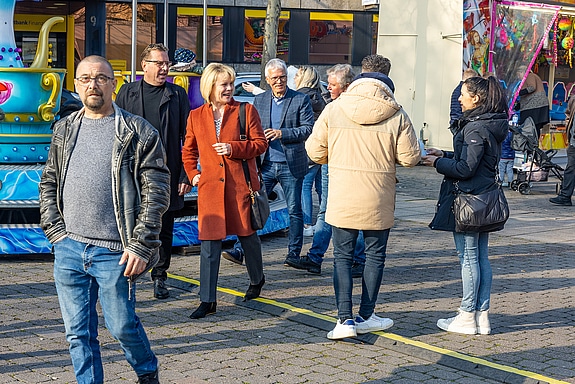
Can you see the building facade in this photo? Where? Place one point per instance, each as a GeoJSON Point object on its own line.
{"type": "Point", "coordinates": [320, 33]}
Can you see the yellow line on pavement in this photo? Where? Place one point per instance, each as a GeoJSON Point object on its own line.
{"type": "Point", "coordinates": [472, 359]}
{"type": "Point", "coordinates": [387, 335]}
{"type": "Point", "coordinates": [260, 299]}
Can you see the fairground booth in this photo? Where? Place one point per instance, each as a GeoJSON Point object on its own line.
{"type": "Point", "coordinates": [509, 38]}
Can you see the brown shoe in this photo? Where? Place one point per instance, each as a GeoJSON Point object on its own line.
{"type": "Point", "coordinates": [235, 255]}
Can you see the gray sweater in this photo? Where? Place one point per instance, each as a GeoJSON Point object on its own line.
{"type": "Point", "coordinates": [87, 195]}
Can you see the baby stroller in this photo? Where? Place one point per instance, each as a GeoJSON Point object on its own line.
{"type": "Point", "coordinates": [525, 139]}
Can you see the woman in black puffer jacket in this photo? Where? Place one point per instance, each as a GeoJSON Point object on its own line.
{"type": "Point", "coordinates": [472, 168]}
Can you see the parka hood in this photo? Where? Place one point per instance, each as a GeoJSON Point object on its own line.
{"type": "Point", "coordinates": [496, 123]}
{"type": "Point", "coordinates": [379, 76]}
{"type": "Point", "coordinates": [368, 101]}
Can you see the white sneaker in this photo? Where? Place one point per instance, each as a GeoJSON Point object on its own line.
{"type": "Point", "coordinates": [308, 231]}
{"type": "Point", "coordinates": [342, 330]}
{"type": "Point", "coordinates": [374, 323]}
{"type": "Point", "coordinates": [483, 324]}
{"type": "Point", "coordinates": [464, 323]}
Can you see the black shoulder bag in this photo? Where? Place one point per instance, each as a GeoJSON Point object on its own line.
{"type": "Point", "coordinates": [486, 212]}
{"type": "Point", "coordinates": [260, 206]}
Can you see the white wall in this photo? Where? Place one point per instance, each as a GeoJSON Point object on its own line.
{"type": "Point", "coordinates": [425, 66]}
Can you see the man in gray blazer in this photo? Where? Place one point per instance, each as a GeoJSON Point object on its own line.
{"type": "Point", "coordinates": [287, 119]}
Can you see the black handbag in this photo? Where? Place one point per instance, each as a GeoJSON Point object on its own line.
{"type": "Point", "coordinates": [486, 212]}
{"type": "Point", "coordinates": [260, 206]}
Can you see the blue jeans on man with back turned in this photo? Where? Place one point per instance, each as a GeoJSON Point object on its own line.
{"type": "Point", "coordinates": [344, 241]}
{"type": "Point", "coordinates": [83, 273]}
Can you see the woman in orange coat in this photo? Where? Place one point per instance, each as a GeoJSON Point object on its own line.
{"type": "Point", "coordinates": [213, 134]}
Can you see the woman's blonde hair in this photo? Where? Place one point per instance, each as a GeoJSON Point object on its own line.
{"type": "Point", "coordinates": [210, 76]}
{"type": "Point", "coordinates": [307, 77]}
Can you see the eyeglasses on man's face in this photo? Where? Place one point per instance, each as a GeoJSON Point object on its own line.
{"type": "Point", "coordinates": [275, 79]}
{"type": "Point", "coordinates": [99, 79]}
{"type": "Point", "coordinates": [160, 64]}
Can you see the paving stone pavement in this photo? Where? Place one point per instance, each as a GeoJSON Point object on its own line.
{"type": "Point", "coordinates": [281, 338]}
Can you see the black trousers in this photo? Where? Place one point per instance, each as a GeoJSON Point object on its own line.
{"type": "Point", "coordinates": [210, 255]}
{"type": "Point", "coordinates": [569, 174]}
{"type": "Point", "coordinates": [167, 238]}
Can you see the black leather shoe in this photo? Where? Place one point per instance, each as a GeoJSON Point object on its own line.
{"type": "Point", "coordinates": [357, 270]}
{"type": "Point", "coordinates": [160, 290]}
{"type": "Point", "coordinates": [254, 290]}
{"type": "Point", "coordinates": [304, 263]}
{"type": "Point", "coordinates": [149, 378]}
{"type": "Point", "coordinates": [561, 200]}
{"type": "Point", "coordinates": [203, 310]}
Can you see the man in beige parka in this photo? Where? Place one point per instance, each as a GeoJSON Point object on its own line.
{"type": "Point", "coordinates": [363, 134]}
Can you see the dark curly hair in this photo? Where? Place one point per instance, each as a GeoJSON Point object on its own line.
{"type": "Point", "coordinates": [376, 63]}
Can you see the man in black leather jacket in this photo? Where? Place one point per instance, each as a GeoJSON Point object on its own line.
{"type": "Point", "coordinates": [103, 191]}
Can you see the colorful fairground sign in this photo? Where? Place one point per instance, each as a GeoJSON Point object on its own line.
{"type": "Point", "coordinates": [505, 38]}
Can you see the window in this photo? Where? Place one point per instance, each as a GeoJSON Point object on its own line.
{"type": "Point", "coordinates": [240, 94]}
{"type": "Point", "coordinates": [330, 37]}
{"type": "Point", "coordinates": [119, 31]}
{"type": "Point", "coordinates": [254, 35]}
{"type": "Point", "coordinates": [190, 31]}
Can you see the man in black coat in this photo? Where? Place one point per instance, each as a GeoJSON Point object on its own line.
{"type": "Point", "coordinates": [166, 106]}
{"type": "Point", "coordinates": [455, 112]}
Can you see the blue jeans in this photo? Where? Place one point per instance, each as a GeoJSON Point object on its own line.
{"type": "Point", "coordinates": [273, 173]}
{"type": "Point", "coordinates": [322, 233]}
{"type": "Point", "coordinates": [313, 175]}
{"type": "Point", "coordinates": [82, 273]}
{"type": "Point", "coordinates": [476, 274]}
{"type": "Point", "coordinates": [506, 168]}
{"type": "Point", "coordinates": [344, 241]}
